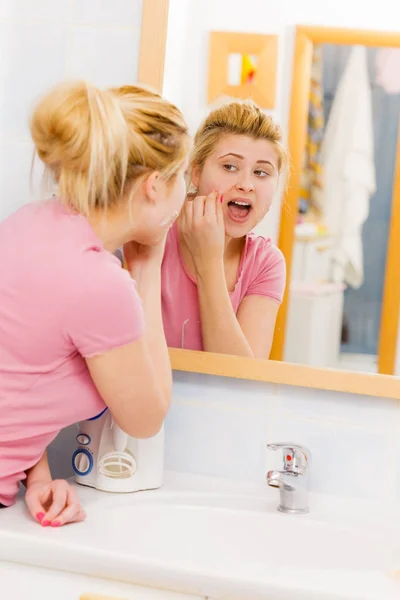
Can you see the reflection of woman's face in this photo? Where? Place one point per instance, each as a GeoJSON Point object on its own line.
{"type": "Point", "coordinates": [245, 171]}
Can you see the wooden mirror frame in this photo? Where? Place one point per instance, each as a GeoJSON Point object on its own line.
{"type": "Point", "coordinates": [277, 371]}
{"type": "Point", "coordinates": [153, 40]}
{"type": "Point", "coordinates": [305, 38]}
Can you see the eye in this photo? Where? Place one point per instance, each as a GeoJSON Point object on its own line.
{"type": "Point", "coordinates": [261, 173]}
{"type": "Point", "coordinates": [230, 168]}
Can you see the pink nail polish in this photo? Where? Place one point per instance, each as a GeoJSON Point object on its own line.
{"type": "Point", "coordinates": [221, 198]}
{"type": "Point", "coordinates": [55, 524]}
{"type": "Point", "coordinates": [45, 523]}
{"type": "Point", "coordinates": [39, 517]}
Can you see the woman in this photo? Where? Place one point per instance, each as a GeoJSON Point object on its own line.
{"type": "Point", "coordinates": [221, 284]}
{"type": "Point", "coordinates": [77, 332]}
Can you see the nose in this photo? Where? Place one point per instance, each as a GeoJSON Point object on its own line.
{"type": "Point", "coordinates": [244, 183]}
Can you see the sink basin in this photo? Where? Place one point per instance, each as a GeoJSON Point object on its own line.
{"type": "Point", "coordinates": [236, 537]}
{"type": "Point", "coordinates": [219, 540]}
{"type": "Point", "coordinates": [239, 534]}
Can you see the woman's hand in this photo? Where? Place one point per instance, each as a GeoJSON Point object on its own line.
{"type": "Point", "coordinates": [138, 256]}
{"type": "Point", "coordinates": [54, 503]}
{"type": "Point", "coordinates": [203, 230]}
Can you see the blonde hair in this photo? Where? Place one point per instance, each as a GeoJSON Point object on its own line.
{"type": "Point", "coordinates": [95, 143]}
{"type": "Point", "coordinates": [237, 118]}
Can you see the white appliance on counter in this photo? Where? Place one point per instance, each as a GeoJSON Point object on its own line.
{"type": "Point", "coordinates": [110, 460]}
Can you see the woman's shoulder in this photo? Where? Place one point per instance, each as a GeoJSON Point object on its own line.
{"type": "Point", "coordinates": [264, 268]}
{"type": "Point", "coordinates": [171, 251]}
{"type": "Point", "coordinates": [261, 251]}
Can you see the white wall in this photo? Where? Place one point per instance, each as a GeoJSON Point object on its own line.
{"type": "Point", "coordinates": [220, 427]}
{"type": "Point", "coordinates": [43, 42]}
{"type": "Point", "coordinates": [187, 47]}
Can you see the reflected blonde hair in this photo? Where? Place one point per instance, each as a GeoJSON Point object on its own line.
{"type": "Point", "coordinates": [237, 118]}
{"type": "Point", "coordinates": [95, 143]}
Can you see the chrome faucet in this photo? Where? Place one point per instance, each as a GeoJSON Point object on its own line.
{"type": "Point", "coordinates": [292, 481]}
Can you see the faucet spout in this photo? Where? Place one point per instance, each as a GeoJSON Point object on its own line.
{"type": "Point", "coordinates": [275, 478]}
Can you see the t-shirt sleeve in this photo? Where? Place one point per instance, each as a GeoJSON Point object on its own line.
{"type": "Point", "coordinates": [270, 273]}
{"type": "Point", "coordinates": [105, 311]}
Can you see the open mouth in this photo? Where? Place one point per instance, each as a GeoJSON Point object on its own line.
{"type": "Point", "coordinates": [239, 210]}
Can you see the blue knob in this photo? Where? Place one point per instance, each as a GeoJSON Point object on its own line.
{"type": "Point", "coordinates": [89, 461]}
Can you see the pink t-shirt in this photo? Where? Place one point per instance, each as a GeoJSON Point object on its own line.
{"type": "Point", "coordinates": [262, 272]}
{"type": "Point", "coordinates": [62, 297]}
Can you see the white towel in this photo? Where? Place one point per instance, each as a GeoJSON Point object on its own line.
{"type": "Point", "coordinates": [348, 158]}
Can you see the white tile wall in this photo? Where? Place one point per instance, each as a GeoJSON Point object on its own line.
{"type": "Point", "coordinates": [220, 433]}
{"type": "Point", "coordinates": [41, 43]}
{"type": "Point", "coordinates": [15, 170]}
{"type": "Point", "coordinates": [33, 59]}
{"type": "Point", "coordinates": [122, 13]}
{"type": "Point", "coordinates": [219, 426]}
{"type": "Point", "coordinates": [108, 56]}
{"type": "Point", "coordinates": [49, 11]}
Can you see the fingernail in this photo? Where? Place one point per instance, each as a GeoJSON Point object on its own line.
{"type": "Point", "coordinates": [55, 524]}
{"type": "Point", "coordinates": [221, 198]}
{"type": "Point", "coordinates": [39, 517]}
{"type": "Point", "coordinates": [45, 523]}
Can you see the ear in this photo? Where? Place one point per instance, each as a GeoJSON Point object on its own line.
{"type": "Point", "coordinates": [154, 187]}
{"type": "Point", "coordinates": [195, 175]}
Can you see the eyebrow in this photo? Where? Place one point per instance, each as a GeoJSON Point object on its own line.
{"type": "Point", "coordinates": [268, 162]}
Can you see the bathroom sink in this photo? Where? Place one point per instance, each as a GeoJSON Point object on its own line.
{"type": "Point", "coordinates": [234, 537]}
{"type": "Point", "coordinates": [220, 541]}
{"type": "Point", "coordinates": [241, 534]}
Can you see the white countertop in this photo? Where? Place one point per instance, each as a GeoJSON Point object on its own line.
{"type": "Point", "coordinates": [110, 544]}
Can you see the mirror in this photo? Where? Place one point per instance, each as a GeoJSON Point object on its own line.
{"type": "Point", "coordinates": [337, 312]}
{"type": "Point", "coordinates": [341, 246]}
{"type": "Point", "coordinates": [336, 288]}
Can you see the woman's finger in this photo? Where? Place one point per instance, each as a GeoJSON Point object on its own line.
{"type": "Point", "coordinates": [188, 214]}
{"type": "Point", "coordinates": [220, 212]}
{"type": "Point", "coordinates": [81, 516]}
{"type": "Point", "coordinates": [210, 205]}
{"type": "Point", "coordinates": [59, 501]}
{"type": "Point", "coordinates": [35, 504]}
{"type": "Point", "coordinates": [71, 514]}
{"type": "Point", "coordinates": [198, 208]}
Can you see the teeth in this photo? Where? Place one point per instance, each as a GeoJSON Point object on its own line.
{"type": "Point", "coordinates": [241, 203]}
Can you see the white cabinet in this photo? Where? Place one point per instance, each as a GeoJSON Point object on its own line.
{"type": "Point", "coordinates": [312, 260]}
{"type": "Point", "coordinates": [314, 324]}
{"type": "Point", "coordinates": [21, 582]}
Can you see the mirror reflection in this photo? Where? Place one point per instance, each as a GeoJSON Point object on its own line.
{"type": "Point", "coordinates": [345, 205]}
{"type": "Point", "coordinates": [222, 284]}
{"type": "Point", "coordinates": [242, 68]}
{"type": "Point", "coordinates": [329, 311]}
